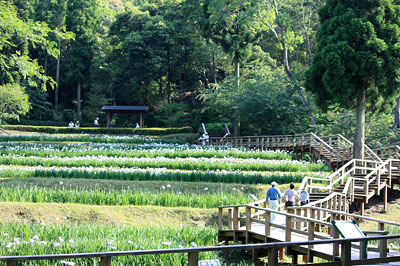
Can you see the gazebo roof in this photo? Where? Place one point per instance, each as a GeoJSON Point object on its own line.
{"type": "Point", "coordinates": [124, 109]}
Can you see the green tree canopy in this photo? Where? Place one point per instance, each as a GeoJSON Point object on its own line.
{"type": "Point", "coordinates": [16, 37]}
{"type": "Point", "coordinates": [13, 101]}
{"type": "Point", "coordinates": [358, 57]}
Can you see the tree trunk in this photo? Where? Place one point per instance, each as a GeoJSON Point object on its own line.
{"type": "Point", "coordinates": [282, 39]}
{"type": "Point", "coordinates": [57, 80]}
{"type": "Point", "coordinates": [78, 102]}
{"type": "Point", "coordinates": [1, 118]}
{"type": "Point", "coordinates": [359, 140]}
{"type": "Point", "coordinates": [236, 115]}
{"type": "Point", "coordinates": [397, 114]}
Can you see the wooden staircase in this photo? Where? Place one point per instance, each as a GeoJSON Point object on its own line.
{"type": "Point", "coordinates": [352, 181]}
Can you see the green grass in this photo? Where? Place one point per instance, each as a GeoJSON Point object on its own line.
{"type": "Point", "coordinates": [31, 239]}
{"type": "Point", "coordinates": [164, 163]}
{"type": "Point", "coordinates": [226, 177]}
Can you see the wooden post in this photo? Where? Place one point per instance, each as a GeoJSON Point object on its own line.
{"type": "Point", "coordinates": [335, 235]}
{"type": "Point", "coordinates": [105, 261]}
{"type": "Point", "coordinates": [385, 194]}
{"type": "Point", "coordinates": [362, 206]}
{"type": "Point", "coordinates": [311, 231]}
{"type": "Point", "coordinates": [267, 225]}
{"type": "Point", "coordinates": [382, 244]}
{"type": "Point", "coordinates": [235, 223]}
{"type": "Point", "coordinates": [230, 219]}
{"type": "Point", "coordinates": [273, 256]}
{"type": "Point", "coordinates": [193, 258]}
{"type": "Point", "coordinates": [288, 232]}
{"type": "Point", "coordinates": [298, 222]}
{"type": "Point", "coordinates": [220, 216]}
{"type": "Point", "coordinates": [248, 223]}
{"type": "Point", "coordinates": [345, 259]}
{"type": "Point", "coordinates": [295, 259]}
{"type": "Point", "coordinates": [13, 263]}
{"type": "Point", "coordinates": [108, 119]}
{"type": "Point", "coordinates": [141, 120]}
{"type": "Point", "coordinates": [363, 252]}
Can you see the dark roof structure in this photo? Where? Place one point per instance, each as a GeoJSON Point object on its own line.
{"type": "Point", "coordinates": [124, 108]}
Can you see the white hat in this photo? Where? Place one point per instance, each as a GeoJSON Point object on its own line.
{"type": "Point", "coordinates": [274, 183]}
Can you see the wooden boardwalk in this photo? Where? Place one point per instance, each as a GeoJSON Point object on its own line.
{"type": "Point", "coordinates": [252, 224]}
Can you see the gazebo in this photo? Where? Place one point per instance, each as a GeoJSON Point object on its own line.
{"type": "Point", "coordinates": [111, 109]}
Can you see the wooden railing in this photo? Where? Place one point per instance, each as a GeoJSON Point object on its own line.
{"type": "Point", "coordinates": [193, 253]}
{"type": "Point", "coordinates": [391, 152]}
{"type": "Point", "coordinates": [332, 149]}
{"type": "Point", "coordinates": [305, 220]}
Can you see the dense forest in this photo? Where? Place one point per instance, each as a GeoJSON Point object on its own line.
{"type": "Point", "coordinates": [192, 61]}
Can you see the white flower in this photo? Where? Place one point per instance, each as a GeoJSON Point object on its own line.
{"type": "Point", "coordinates": [206, 188]}
{"type": "Point", "coordinates": [57, 244]}
{"type": "Point", "coordinates": [234, 189]}
{"type": "Point", "coordinates": [61, 182]}
{"type": "Point", "coordinates": [163, 187]}
{"type": "Point", "coordinates": [35, 237]}
{"type": "Point", "coordinates": [193, 244]}
{"type": "Point", "coordinates": [166, 243]}
{"type": "Point", "coordinates": [67, 262]}
{"type": "Point", "coordinates": [168, 185]}
{"type": "Point", "coordinates": [57, 219]}
{"type": "Point", "coordinates": [60, 239]}
{"type": "Point", "coordinates": [71, 241]}
{"type": "Point", "coordinates": [130, 242]}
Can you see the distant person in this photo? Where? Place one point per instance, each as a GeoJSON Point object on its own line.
{"type": "Point", "coordinates": [137, 125]}
{"type": "Point", "coordinates": [205, 138]}
{"type": "Point", "coordinates": [304, 197]}
{"type": "Point", "coordinates": [71, 124]}
{"type": "Point", "coordinates": [273, 197]}
{"type": "Point", "coordinates": [96, 122]}
{"type": "Point", "coordinates": [290, 194]}
{"type": "Point", "coordinates": [111, 124]}
{"type": "Point", "coordinates": [77, 124]}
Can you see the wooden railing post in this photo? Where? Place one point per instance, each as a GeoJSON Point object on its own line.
{"type": "Point", "coordinates": [236, 218]}
{"type": "Point", "coordinates": [382, 244]}
{"type": "Point", "coordinates": [13, 263]}
{"type": "Point", "coordinates": [193, 258]}
{"type": "Point", "coordinates": [267, 225]}
{"type": "Point", "coordinates": [230, 219]}
{"type": "Point", "coordinates": [248, 223]}
{"type": "Point", "coordinates": [273, 256]}
{"type": "Point", "coordinates": [220, 219]}
{"type": "Point", "coordinates": [346, 254]}
{"type": "Point", "coordinates": [105, 261]}
{"type": "Point", "coordinates": [335, 235]}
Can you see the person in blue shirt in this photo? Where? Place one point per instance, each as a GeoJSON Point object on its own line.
{"type": "Point", "coordinates": [273, 198]}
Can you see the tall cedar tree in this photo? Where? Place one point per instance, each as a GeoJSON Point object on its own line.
{"type": "Point", "coordinates": [82, 19]}
{"type": "Point", "coordinates": [358, 58]}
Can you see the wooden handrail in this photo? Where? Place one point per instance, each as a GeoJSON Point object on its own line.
{"type": "Point", "coordinates": [193, 252]}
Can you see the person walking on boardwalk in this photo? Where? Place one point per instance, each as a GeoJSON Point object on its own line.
{"type": "Point", "coordinates": [290, 194]}
{"type": "Point", "coordinates": [273, 197]}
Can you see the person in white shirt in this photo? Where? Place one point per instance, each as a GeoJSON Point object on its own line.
{"type": "Point", "coordinates": [290, 194]}
{"type": "Point", "coordinates": [71, 124]}
{"type": "Point", "coordinates": [304, 198]}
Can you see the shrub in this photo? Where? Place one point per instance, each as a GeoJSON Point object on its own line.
{"type": "Point", "coordinates": [96, 130]}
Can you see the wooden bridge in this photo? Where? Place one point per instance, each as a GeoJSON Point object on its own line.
{"type": "Point", "coordinates": [251, 223]}
{"type": "Point", "coordinates": [352, 181]}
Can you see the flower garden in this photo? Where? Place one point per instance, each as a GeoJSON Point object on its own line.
{"type": "Point", "coordinates": [159, 177]}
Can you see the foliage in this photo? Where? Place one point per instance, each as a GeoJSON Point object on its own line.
{"type": "Point", "coordinates": [379, 127]}
{"type": "Point", "coordinates": [13, 101]}
{"type": "Point", "coordinates": [358, 58]}
{"type": "Point", "coordinates": [258, 100]}
{"type": "Point", "coordinates": [174, 114]}
{"type": "Point", "coordinates": [96, 130]}
{"type": "Point", "coordinates": [17, 35]}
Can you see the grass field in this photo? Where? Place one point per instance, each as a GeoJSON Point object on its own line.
{"type": "Point", "coordinates": [100, 193]}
